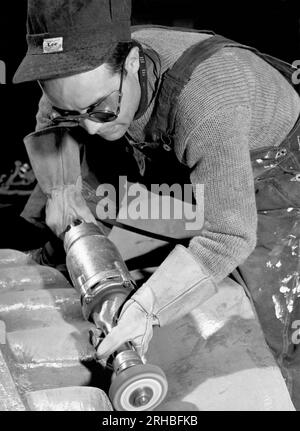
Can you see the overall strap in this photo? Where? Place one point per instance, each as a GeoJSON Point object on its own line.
{"type": "Point", "coordinates": [183, 68]}
{"type": "Point", "coordinates": [139, 27]}
{"type": "Point", "coordinates": [161, 124]}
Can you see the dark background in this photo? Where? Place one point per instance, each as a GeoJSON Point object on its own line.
{"type": "Point", "coordinates": [271, 26]}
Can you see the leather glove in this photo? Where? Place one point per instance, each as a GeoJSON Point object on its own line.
{"type": "Point", "coordinates": [177, 286]}
{"type": "Point", "coordinates": [66, 204]}
{"type": "Point", "coordinates": [55, 160]}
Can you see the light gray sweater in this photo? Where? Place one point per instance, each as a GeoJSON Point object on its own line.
{"type": "Point", "coordinates": [233, 103]}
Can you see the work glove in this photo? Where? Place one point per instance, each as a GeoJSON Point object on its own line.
{"type": "Point", "coordinates": [177, 286]}
{"type": "Point", "coordinates": [55, 160]}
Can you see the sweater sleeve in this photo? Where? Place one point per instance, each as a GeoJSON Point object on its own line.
{"type": "Point", "coordinates": [218, 154]}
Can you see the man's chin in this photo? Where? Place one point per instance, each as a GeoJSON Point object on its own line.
{"type": "Point", "coordinates": [114, 135]}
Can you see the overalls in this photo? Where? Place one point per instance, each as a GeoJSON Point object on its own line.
{"type": "Point", "coordinates": [271, 275]}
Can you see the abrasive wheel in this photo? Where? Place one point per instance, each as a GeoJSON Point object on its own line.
{"type": "Point", "coordinates": [138, 388]}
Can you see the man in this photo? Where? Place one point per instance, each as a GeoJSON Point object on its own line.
{"type": "Point", "coordinates": [96, 74]}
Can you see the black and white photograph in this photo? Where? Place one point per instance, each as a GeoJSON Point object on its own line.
{"type": "Point", "coordinates": [149, 209]}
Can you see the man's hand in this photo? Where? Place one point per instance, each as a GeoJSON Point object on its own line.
{"type": "Point", "coordinates": [178, 285]}
{"type": "Point", "coordinates": [64, 205]}
{"type": "Point", "coordinates": [55, 159]}
{"type": "Point", "coordinates": [135, 325]}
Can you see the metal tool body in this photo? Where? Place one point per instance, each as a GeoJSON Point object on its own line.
{"type": "Point", "coordinates": [103, 281]}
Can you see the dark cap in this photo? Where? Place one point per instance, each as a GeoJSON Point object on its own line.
{"type": "Point", "coordinates": [67, 37]}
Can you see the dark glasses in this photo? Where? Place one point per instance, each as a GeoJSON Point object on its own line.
{"type": "Point", "coordinates": [103, 111]}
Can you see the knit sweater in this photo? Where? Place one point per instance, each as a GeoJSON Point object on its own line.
{"type": "Point", "coordinates": [234, 102]}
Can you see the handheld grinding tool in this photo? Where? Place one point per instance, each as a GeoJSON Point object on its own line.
{"type": "Point", "coordinates": [104, 283]}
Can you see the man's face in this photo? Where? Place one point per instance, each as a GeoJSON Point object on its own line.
{"type": "Point", "coordinates": [78, 92]}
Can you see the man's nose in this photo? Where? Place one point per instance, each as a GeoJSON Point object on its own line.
{"type": "Point", "coordinates": [91, 127]}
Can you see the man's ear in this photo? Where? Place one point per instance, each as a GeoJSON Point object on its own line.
{"type": "Point", "coordinates": [132, 62]}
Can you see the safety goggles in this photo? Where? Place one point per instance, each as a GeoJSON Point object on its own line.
{"type": "Point", "coordinates": [104, 110]}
